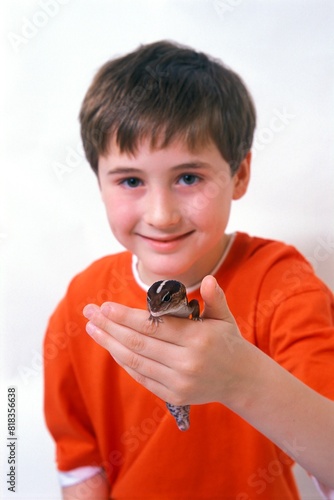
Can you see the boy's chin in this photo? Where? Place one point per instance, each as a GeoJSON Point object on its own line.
{"type": "Point", "coordinates": [151, 272]}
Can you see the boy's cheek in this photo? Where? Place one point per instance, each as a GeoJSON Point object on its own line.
{"type": "Point", "coordinates": [121, 219]}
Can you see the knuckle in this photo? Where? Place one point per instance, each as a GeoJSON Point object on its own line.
{"type": "Point", "coordinates": [149, 327]}
{"type": "Point", "coordinates": [191, 368]}
{"type": "Point", "coordinates": [135, 343]}
{"type": "Point", "coordinates": [202, 343]}
{"type": "Point", "coordinates": [134, 362]}
{"type": "Point", "coordinates": [141, 379]}
{"type": "Point", "coordinates": [181, 397]}
{"type": "Point", "coordinates": [177, 400]}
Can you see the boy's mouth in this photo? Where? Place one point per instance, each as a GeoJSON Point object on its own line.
{"type": "Point", "coordinates": [166, 242]}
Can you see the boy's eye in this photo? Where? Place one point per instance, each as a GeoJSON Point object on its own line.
{"type": "Point", "coordinates": [131, 182]}
{"type": "Point", "coordinates": [189, 179]}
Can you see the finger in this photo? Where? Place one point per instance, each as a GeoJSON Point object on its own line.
{"type": "Point", "coordinates": [100, 336]}
{"type": "Point", "coordinates": [104, 318]}
{"type": "Point", "coordinates": [167, 330]}
{"type": "Point", "coordinates": [102, 329]}
{"type": "Point", "coordinates": [136, 319]}
{"type": "Point", "coordinates": [215, 305]}
{"type": "Point", "coordinates": [128, 316]}
{"type": "Point", "coordinates": [89, 310]}
{"type": "Point", "coordinates": [153, 375]}
{"type": "Point", "coordinates": [158, 387]}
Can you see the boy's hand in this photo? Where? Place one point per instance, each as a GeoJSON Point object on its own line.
{"type": "Point", "coordinates": [193, 362]}
{"type": "Point", "coordinates": [181, 361]}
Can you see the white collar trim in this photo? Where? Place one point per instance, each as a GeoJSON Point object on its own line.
{"type": "Point", "coordinates": [191, 288]}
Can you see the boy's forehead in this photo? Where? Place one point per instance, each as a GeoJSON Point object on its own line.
{"type": "Point", "coordinates": [176, 147]}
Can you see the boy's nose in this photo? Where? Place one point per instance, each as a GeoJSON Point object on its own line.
{"type": "Point", "coordinates": [161, 210]}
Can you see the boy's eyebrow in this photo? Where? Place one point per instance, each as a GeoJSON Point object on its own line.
{"type": "Point", "coordinates": [192, 165]}
{"type": "Point", "coordinates": [123, 170]}
{"type": "Point", "coordinates": [132, 170]}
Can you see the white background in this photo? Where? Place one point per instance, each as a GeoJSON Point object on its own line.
{"type": "Point", "coordinates": [52, 220]}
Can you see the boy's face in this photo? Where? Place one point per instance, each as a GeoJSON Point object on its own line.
{"type": "Point", "coordinates": [170, 207]}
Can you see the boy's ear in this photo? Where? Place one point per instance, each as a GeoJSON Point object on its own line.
{"type": "Point", "coordinates": [241, 177]}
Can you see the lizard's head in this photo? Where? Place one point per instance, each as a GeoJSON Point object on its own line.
{"type": "Point", "coordinates": [165, 296]}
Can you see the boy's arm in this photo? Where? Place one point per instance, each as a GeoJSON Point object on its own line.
{"type": "Point", "coordinates": [66, 412]}
{"type": "Point", "coordinates": [93, 488]}
{"type": "Point", "coordinates": [209, 362]}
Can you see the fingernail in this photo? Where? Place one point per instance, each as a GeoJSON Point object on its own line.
{"type": "Point", "coordinates": [90, 328]}
{"type": "Point", "coordinates": [88, 311]}
{"type": "Point", "coordinates": [106, 309]}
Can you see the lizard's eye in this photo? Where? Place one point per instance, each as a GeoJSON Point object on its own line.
{"type": "Point", "coordinates": [166, 297]}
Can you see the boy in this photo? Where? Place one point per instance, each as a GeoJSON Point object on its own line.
{"type": "Point", "coordinates": [168, 132]}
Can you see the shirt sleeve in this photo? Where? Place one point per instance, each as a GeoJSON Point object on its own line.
{"type": "Point", "coordinates": [76, 476]}
{"type": "Point", "coordinates": [66, 414]}
{"type": "Point", "coordinates": [301, 338]}
{"type": "Point", "coordinates": [295, 321]}
{"type": "Point", "coordinates": [296, 317]}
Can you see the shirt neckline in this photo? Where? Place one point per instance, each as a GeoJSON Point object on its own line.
{"type": "Point", "coordinates": [190, 289]}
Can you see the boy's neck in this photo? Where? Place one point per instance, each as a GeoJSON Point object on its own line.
{"type": "Point", "coordinates": [192, 277]}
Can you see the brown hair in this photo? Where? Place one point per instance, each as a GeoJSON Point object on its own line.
{"type": "Point", "coordinates": [164, 91]}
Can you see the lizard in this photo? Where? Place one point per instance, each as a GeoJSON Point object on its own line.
{"type": "Point", "coordinates": [169, 297]}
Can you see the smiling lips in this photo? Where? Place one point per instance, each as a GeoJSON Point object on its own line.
{"type": "Point", "coordinates": [167, 243]}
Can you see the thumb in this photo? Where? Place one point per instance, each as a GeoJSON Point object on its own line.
{"type": "Point", "coordinates": [215, 305]}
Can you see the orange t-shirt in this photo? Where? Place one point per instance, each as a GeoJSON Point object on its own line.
{"type": "Point", "coordinates": [98, 415]}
